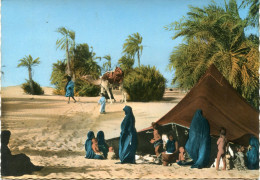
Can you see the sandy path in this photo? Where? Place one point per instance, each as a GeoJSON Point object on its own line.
{"type": "Point", "coordinates": [52, 133]}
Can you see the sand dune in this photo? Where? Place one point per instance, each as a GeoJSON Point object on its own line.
{"type": "Point", "coordinates": [52, 133]}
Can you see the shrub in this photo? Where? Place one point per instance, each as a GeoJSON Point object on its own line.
{"type": "Point", "coordinates": [83, 88]}
{"type": "Point", "coordinates": [37, 88]}
{"type": "Point", "coordinates": [145, 84]}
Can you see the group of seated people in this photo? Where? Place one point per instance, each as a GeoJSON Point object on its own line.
{"type": "Point", "coordinates": [170, 151]}
{"type": "Point", "coordinates": [97, 148]}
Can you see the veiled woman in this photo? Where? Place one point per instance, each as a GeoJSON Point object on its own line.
{"type": "Point", "coordinates": [253, 154]}
{"type": "Point", "coordinates": [90, 154]}
{"type": "Point", "coordinates": [128, 137]}
{"type": "Point", "coordinates": [102, 145]}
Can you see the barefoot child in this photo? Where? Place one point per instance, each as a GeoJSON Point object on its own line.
{"type": "Point", "coordinates": [222, 145]}
{"type": "Point", "coordinates": [157, 139]}
{"type": "Point", "coordinates": [95, 147]}
{"type": "Point", "coordinates": [102, 101]}
{"type": "Point", "coordinates": [181, 154]}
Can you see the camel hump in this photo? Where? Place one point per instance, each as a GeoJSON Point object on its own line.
{"type": "Point", "coordinates": [115, 76]}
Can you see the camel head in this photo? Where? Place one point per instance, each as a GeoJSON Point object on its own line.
{"type": "Point", "coordinates": [91, 79]}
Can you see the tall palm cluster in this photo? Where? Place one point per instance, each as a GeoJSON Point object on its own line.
{"type": "Point", "coordinates": [216, 35]}
{"type": "Point", "coordinates": [80, 60]}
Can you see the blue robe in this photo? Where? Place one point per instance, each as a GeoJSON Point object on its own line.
{"type": "Point", "coordinates": [128, 137]}
{"type": "Point", "coordinates": [170, 146]}
{"type": "Point", "coordinates": [102, 101]}
{"type": "Point", "coordinates": [198, 144]}
{"type": "Point", "coordinates": [90, 154]}
{"type": "Point", "coordinates": [70, 89]}
{"type": "Point", "coordinates": [102, 145]}
{"type": "Point", "coordinates": [253, 154]}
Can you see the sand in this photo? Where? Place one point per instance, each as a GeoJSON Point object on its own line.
{"type": "Point", "coordinates": [52, 133]}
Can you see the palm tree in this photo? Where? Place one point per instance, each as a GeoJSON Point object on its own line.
{"type": "Point", "coordinates": [29, 62]}
{"type": "Point", "coordinates": [107, 65]}
{"type": "Point", "coordinates": [133, 46]}
{"type": "Point", "coordinates": [215, 35]}
{"type": "Point", "coordinates": [253, 14]}
{"type": "Point", "coordinates": [67, 42]}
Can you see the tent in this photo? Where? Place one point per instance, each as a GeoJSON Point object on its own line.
{"type": "Point", "coordinates": [222, 106]}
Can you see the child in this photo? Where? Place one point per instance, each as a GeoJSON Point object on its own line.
{"type": "Point", "coordinates": [222, 145]}
{"type": "Point", "coordinates": [157, 139]}
{"type": "Point", "coordinates": [182, 154]}
{"type": "Point", "coordinates": [240, 161]}
{"type": "Point", "coordinates": [102, 101]}
{"type": "Point", "coordinates": [111, 154]}
{"type": "Point", "coordinates": [95, 147]}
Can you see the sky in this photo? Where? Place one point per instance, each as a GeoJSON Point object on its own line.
{"type": "Point", "coordinates": [29, 27]}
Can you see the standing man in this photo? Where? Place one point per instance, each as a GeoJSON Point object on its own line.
{"type": "Point", "coordinates": [69, 89]}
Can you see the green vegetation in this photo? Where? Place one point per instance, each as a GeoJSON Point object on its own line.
{"type": "Point", "coordinates": [133, 46]}
{"type": "Point", "coordinates": [84, 62]}
{"type": "Point", "coordinates": [215, 35]}
{"type": "Point", "coordinates": [84, 88]}
{"type": "Point", "coordinates": [36, 88]}
{"type": "Point", "coordinates": [67, 42]}
{"type": "Point", "coordinates": [145, 83]}
{"type": "Point", "coordinates": [107, 65]}
{"type": "Point", "coordinates": [126, 64]}
{"type": "Point", "coordinates": [29, 63]}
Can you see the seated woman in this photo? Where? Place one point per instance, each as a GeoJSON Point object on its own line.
{"type": "Point", "coordinates": [14, 165]}
{"type": "Point", "coordinates": [90, 154]}
{"type": "Point", "coordinates": [171, 153]}
{"type": "Point", "coordinates": [102, 145]}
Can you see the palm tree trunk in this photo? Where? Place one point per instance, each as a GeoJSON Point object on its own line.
{"type": "Point", "coordinates": [138, 56]}
{"type": "Point", "coordinates": [68, 58]}
{"type": "Point", "coordinates": [30, 79]}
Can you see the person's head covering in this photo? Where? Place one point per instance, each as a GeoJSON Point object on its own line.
{"type": "Point", "coordinates": [5, 137]}
{"type": "Point", "coordinates": [100, 137]}
{"type": "Point", "coordinates": [68, 78]}
{"type": "Point", "coordinates": [129, 119]}
{"type": "Point", "coordinates": [90, 135]}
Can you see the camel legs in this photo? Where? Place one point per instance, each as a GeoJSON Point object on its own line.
{"type": "Point", "coordinates": [105, 86]}
{"type": "Point", "coordinates": [123, 93]}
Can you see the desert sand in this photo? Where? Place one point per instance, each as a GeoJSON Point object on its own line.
{"type": "Point", "coordinates": [52, 133]}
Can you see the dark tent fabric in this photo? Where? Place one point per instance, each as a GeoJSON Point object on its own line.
{"type": "Point", "coordinates": [128, 137]}
{"type": "Point", "coordinates": [198, 144]}
{"type": "Point", "coordinates": [253, 154]}
{"type": "Point", "coordinates": [222, 106]}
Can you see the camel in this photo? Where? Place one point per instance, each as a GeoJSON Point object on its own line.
{"type": "Point", "coordinates": [105, 83]}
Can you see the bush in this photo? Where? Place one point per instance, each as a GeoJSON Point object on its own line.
{"type": "Point", "coordinates": [83, 88]}
{"type": "Point", "coordinates": [37, 88]}
{"type": "Point", "coordinates": [145, 84]}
